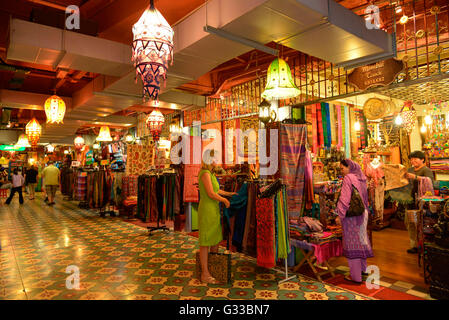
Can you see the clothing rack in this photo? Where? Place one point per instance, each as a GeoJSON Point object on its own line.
{"type": "Point", "coordinates": [158, 173]}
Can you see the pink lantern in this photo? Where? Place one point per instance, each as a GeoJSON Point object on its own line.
{"type": "Point", "coordinates": [155, 121]}
{"type": "Point", "coordinates": [152, 49]}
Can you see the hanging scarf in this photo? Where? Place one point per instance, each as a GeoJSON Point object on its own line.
{"type": "Point", "coordinates": [365, 131]}
{"type": "Point", "coordinates": [354, 134]}
{"type": "Point", "coordinates": [333, 126]}
{"type": "Point", "coordinates": [347, 134]}
{"type": "Point", "coordinates": [314, 129]}
{"type": "Point", "coordinates": [309, 118]}
{"type": "Point", "coordinates": [325, 124]}
{"type": "Point", "coordinates": [282, 236]}
{"type": "Point", "coordinates": [339, 124]}
{"type": "Point", "coordinates": [265, 233]}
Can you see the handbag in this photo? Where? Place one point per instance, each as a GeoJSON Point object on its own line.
{"type": "Point", "coordinates": [356, 205]}
{"type": "Point", "coordinates": [219, 266]}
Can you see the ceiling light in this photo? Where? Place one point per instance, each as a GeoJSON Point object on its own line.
{"type": "Point", "coordinates": [280, 84]}
{"type": "Point", "coordinates": [398, 9]}
{"type": "Point", "coordinates": [105, 134]}
{"type": "Point", "coordinates": [33, 130]}
{"type": "Point", "coordinates": [50, 148]}
{"type": "Point", "coordinates": [23, 142]}
{"type": "Point", "coordinates": [54, 109]}
{"type": "Point", "coordinates": [79, 142]}
{"type": "Point", "coordinates": [357, 126]}
{"type": "Point", "coordinates": [152, 49]}
{"type": "Point", "coordinates": [423, 129]}
{"type": "Point", "coordinates": [155, 121]}
{"type": "Point", "coordinates": [403, 19]}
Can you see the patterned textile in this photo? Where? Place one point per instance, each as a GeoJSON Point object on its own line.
{"type": "Point", "coordinates": [404, 144]}
{"type": "Point", "coordinates": [139, 158]}
{"type": "Point", "coordinates": [81, 186]}
{"type": "Point", "coordinates": [265, 233]}
{"type": "Point", "coordinates": [191, 172]}
{"type": "Point", "coordinates": [425, 186]}
{"type": "Point", "coordinates": [283, 242]}
{"type": "Point", "coordinates": [292, 147]}
{"type": "Point", "coordinates": [323, 251]}
{"type": "Point", "coordinates": [354, 134]}
{"type": "Point", "coordinates": [328, 140]}
{"type": "Point", "coordinates": [395, 176]}
{"type": "Point", "coordinates": [310, 127]}
{"type": "Point", "coordinates": [129, 186]}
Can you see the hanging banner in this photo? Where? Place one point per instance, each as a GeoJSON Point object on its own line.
{"type": "Point", "coordinates": [381, 73]}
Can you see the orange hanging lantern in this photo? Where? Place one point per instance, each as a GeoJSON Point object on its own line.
{"type": "Point", "coordinates": [408, 115]}
{"type": "Point", "coordinates": [54, 109]}
{"type": "Point", "coordinates": [33, 130]}
{"type": "Point", "coordinates": [155, 121]}
{"type": "Point", "coordinates": [152, 49]}
{"type": "Point", "coordinates": [79, 142]}
{"type": "Point", "coordinates": [23, 142]}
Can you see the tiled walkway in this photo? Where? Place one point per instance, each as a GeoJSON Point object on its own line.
{"type": "Point", "coordinates": [118, 260]}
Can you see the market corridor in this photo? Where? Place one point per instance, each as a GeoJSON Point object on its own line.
{"type": "Point", "coordinates": [118, 260]}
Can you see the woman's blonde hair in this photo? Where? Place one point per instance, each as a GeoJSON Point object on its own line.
{"type": "Point", "coordinates": [207, 160]}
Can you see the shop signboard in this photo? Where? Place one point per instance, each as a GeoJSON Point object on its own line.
{"type": "Point", "coordinates": [104, 162]}
{"type": "Point", "coordinates": [381, 73]}
{"type": "Point", "coordinates": [6, 147]}
{"type": "Point", "coordinates": [75, 164]}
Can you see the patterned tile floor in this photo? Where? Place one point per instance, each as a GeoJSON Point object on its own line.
{"type": "Point", "coordinates": [118, 260]}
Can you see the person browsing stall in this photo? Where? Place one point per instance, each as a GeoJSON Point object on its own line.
{"type": "Point", "coordinates": [52, 180]}
{"type": "Point", "coordinates": [210, 232]}
{"type": "Point", "coordinates": [356, 245]}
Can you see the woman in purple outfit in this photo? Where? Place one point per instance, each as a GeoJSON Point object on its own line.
{"type": "Point", "coordinates": [356, 245]}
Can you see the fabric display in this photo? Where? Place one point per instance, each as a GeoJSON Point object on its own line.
{"type": "Point", "coordinates": [99, 185]}
{"type": "Point", "coordinates": [439, 164]}
{"type": "Point", "coordinates": [376, 189]}
{"type": "Point", "coordinates": [139, 158]}
{"type": "Point", "coordinates": [395, 176]}
{"type": "Point", "coordinates": [322, 251]}
{"type": "Point", "coordinates": [191, 193]}
{"type": "Point", "coordinates": [293, 140]}
{"type": "Point", "coordinates": [425, 187]}
{"type": "Point", "coordinates": [129, 186]}
{"type": "Point", "coordinates": [81, 186]}
{"type": "Point", "coordinates": [273, 236]}
{"type": "Point", "coordinates": [67, 181]}
{"type": "Point", "coordinates": [158, 197]}
{"type": "Point", "coordinates": [116, 191]}
{"type": "Point", "coordinates": [327, 194]}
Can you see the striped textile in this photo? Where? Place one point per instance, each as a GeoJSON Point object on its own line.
{"type": "Point", "coordinates": [347, 134]}
{"type": "Point", "coordinates": [292, 148]}
{"type": "Point", "coordinates": [354, 134]}
{"type": "Point", "coordinates": [328, 122]}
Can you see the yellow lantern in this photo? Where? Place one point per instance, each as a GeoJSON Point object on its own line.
{"type": "Point", "coordinates": [280, 84]}
{"type": "Point", "coordinates": [50, 148]}
{"type": "Point", "coordinates": [23, 142]}
{"type": "Point", "coordinates": [54, 109]}
{"type": "Point", "coordinates": [33, 130]}
{"type": "Point", "coordinates": [105, 134]}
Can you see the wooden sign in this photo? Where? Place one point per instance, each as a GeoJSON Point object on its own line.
{"type": "Point", "coordinates": [381, 73]}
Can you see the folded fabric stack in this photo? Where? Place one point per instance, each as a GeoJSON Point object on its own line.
{"type": "Point", "coordinates": [439, 164]}
{"type": "Point", "coordinates": [311, 230]}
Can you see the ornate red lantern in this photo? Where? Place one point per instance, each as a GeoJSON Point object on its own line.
{"type": "Point", "coordinates": [155, 121]}
{"type": "Point", "coordinates": [152, 49]}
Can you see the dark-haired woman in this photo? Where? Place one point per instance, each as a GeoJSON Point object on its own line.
{"type": "Point", "coordinates": [356, 245]}
{"type": "Point", "coordinates": [17, 185]}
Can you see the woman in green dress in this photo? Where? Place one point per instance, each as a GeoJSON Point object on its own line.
{"type": "Point", "coordinates": [210, 232]}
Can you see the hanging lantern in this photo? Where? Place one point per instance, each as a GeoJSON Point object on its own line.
{"type": "Point", "coordinates": [54, 109]}
{"type": "Point", "coordinates": [79, 142]}
{"type": "Point", "coordinates": [104, 134]}
{"type": "Point", "coordinates": [50, 148]}
{"type": "Point", "coordinates": [155, 121]}
{"type": "Point", "coordinates": [96, 146]}
{"type": "Point", "coordinates": [129, 138]}
{"type": "Point", "coordinates": [408, 115]}
{"type": "Point", "coordinates": [264, 111]}
{"type": "Point", "coordinates": [357, 126]}
{"type": "Point", "coordinates": [280, 84]}
{"type": "Point", "coordinates": [33, 130]}
{"type": "Point", "coordinates": [152, 49]}
{"type": "Point", "coordinates": [23, 142]}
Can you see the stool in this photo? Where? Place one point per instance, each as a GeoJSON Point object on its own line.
{"type": "Point", "coordinates": [129, 207]}
{"type": "Point", "coordinates": [3, 193]}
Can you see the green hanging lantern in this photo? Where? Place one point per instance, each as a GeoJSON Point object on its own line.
{"type": "Point", "coordinates": [280, 84]}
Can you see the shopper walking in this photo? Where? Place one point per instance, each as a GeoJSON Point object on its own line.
{"type": "Point", "coordinates": [31, 180]}
{"type": "Point", "coordinates": [356, 245]}
{"type": "Point", "coordinates": [52, 180]}
{"type": "Point", "coordinates": [17, 185]}
{"type": "Point", "coordinates": [210, 233]}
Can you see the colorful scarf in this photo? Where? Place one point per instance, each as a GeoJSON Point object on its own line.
{"type": "Point", "coordinates": [314, 129]}
{"type": "Point", "coordinates": [292, 147]}
{"type": "Point", "coordinates": [347, 134]}
{"type": "Point", "coordinates": [328, 123]}
{"type": "Point", "coordinates": [320, 125]}
{"type": "Point", "coordinates": [283, 245]}
{"type": "Point", "coordinates": [265, 233]}
{"type": "Point", "coordinates": [325, 124]}
{"type": "Point", "coordinates": [333, 126]}
{"type": "Point", "coordinates": [339, 124]}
